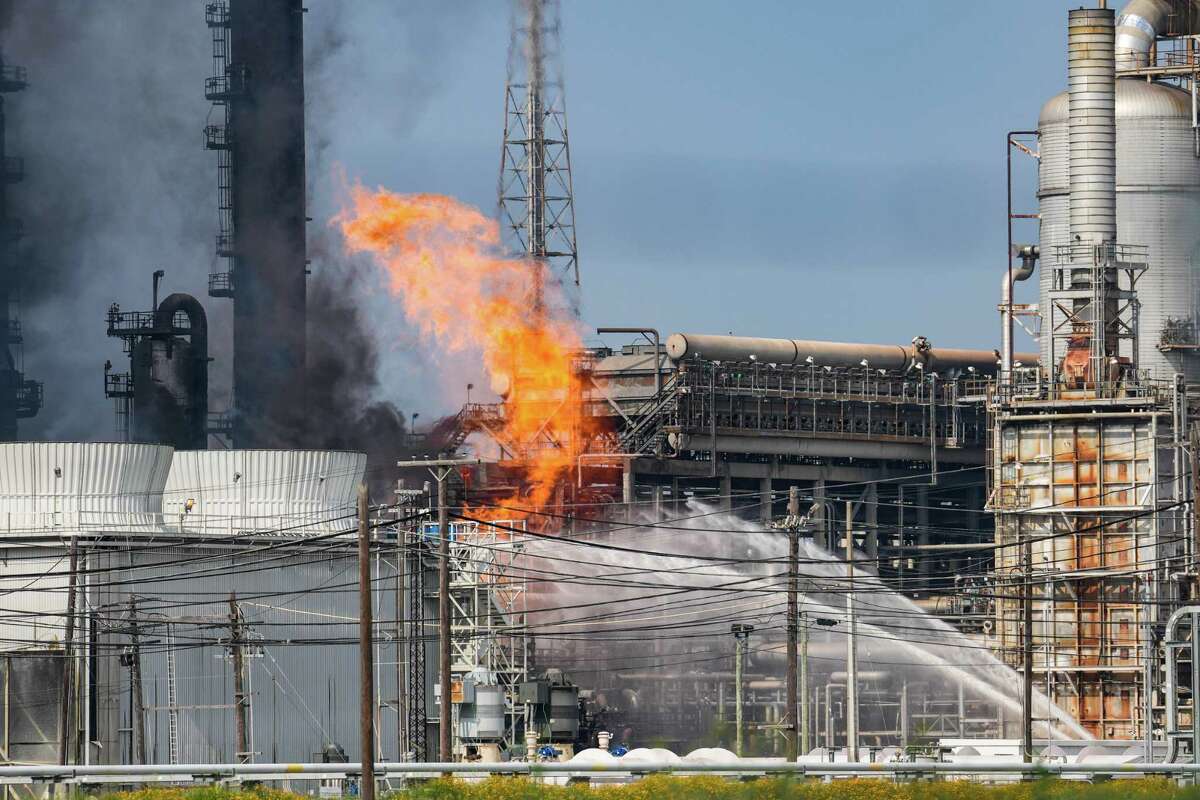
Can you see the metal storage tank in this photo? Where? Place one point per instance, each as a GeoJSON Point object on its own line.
{"type": "Point", "coordinates": [1158, 206]}
{"type": "Point", "coordinates": [280, 492]}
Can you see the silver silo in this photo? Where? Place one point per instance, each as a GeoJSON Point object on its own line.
{"type": "Point", "coordinates": [1158, 205]}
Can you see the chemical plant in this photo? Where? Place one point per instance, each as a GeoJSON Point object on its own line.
{"type": "Point", "coordinates": [826, 554]}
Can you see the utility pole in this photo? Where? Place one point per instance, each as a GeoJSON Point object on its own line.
{"type": "Point", "coordinates": [851, 645]}
{"type": "Point", "coordinates": [68, 682]}
{"type": "Point", "coordinates": [441, 469]}
{"type": "Point", "coordinates": [138, 723]}
{"type": "Point", "coordinates": [793, 610]}
{"type": "Point", "coordinates": [366, 662]}
{"type": "Point", "coordinates": [239, 686]}
{"type": "Point", "coordinates": [1194, 464]}
{"type": "Point", "coordinates": [1025, 586]}
{"type": "Point", "coordinates": [741, 636]}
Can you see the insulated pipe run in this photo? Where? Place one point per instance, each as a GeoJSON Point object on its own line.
{"type": "Point", "coordinates": [1029, 256]}
{"type": "Point", "coordinates": [897, 358]}
{"type": "Point", "coordinates": [1138, 25]}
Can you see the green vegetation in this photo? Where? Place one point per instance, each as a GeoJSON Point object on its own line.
{"type": "Point", "coordinates": [716, 788]}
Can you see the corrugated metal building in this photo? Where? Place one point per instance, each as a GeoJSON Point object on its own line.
{"type": "Point", "coordinates": [178, 533]}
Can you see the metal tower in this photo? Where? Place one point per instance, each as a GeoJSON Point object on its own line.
{"type": "Point", "coordinates": [257, 92]}
{"type": "Point", "coordinates": [19, 398]}
{"type": "Point", "coordinates": [537, 207]}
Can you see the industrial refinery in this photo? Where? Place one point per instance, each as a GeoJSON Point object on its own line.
{"type": "Point", "coordinates": [625, 548]}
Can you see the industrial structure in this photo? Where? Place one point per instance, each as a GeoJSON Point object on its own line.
{"type": "Point", "coordinates": [536, 193]}
{"type": "Point", "coordinates": [952, 522]}
{"type": "Point", "coordinates": [256, 127]}
{"type": "Point", "coordinates": [1089, 457]}
{"type": "Point", "coordinates": [163, 399]}
{"type": "Point", "coordinates": [20, 398]}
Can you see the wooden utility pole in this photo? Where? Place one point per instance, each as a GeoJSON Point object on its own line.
{"type": "Point", "coordinates": [366, 697]}
{"type": "Point", "coordinates": [1025, 587]}
{"type": "Point", "coordinates": [793, 617]}
{"type": "Point", "coordinates": [137, 702]}
{"type": "Point", "coordinates": [1194, 465]}
{"type": "Point", "coordinates": [239, 686]}
{"type": "Point", "coordinates": [68, 676]}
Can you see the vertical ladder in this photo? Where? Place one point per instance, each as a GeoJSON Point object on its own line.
{"type": "Point", "coordinates": [172, 698]}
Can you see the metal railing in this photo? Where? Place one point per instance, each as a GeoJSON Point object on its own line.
{"type": "Point", "coordinates": [220, 88]}
{"type": "Point", "coordinates": [220, 284]}
{"type": "Point", "coordinates": [13, 169]}
{"type": "Point", "coordinates": [14, 77]}
{"type": "Point", "coordinates": [217, 137]}
{"type": "Point", "coordinates": [616, 769]}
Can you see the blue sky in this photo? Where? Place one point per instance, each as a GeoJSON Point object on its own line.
{"type": "Point", "coordinates": [810, 170]}
{"type": "Point", "coordinates": [785, 169]}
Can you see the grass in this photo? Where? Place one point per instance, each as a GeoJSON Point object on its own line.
{"type": "Point", "coordinates": [716, 788]}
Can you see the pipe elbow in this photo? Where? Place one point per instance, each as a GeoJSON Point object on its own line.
{"type": "Point", "coordinates": [1138, 25]}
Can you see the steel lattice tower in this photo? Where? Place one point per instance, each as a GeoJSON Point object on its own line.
{"type": "Point", "coordinates": [537, 206]}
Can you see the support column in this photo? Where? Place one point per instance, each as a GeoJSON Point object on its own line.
{"type": "Point", "coordinates": [676, 497]}
{"type": "Point", "coordinates": [628, 495]}
{"type": "Point", "coordinates": [924, 557]}
{"type": "Point", "coordinates": [658, 502]}
{"type": "Point", "coordinates": [764, 497]}
{"type": "Point", "coordinates": [726, 492]}
{"type": "Point", "coordinates": [819, 525]}
{"type": "Point", "coordinates": [871, 509]}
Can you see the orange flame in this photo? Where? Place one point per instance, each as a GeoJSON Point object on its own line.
{"type": "Point", "coordinates": [444, 261]}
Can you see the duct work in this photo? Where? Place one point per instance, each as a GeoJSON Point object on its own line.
{"type": "Point", "coordinates": [921, 354]}
{"type": "Point", "coordinates": [1137, 28]}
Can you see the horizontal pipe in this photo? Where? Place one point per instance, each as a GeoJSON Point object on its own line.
{"type": "Point", "coordinates": [143, 773]}
{"type": "Point", "coordinates": [947, 361]}
{"type": "Point", "coordinates": [824, 446]}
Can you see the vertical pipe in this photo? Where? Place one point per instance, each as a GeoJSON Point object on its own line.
{"type": "Point", "coordinates": [1195, 620]}
{"type": "Point", "coordinates": [1006, 316]}
{"type": "Point", "coordinates": [444, 615]}
{"type": "Point", "coordinates": [84, 747]}
{"type": "Point", "coordinates": [804, 690]}
{"type": "Point", "coordinates": [366, 697]}
{"type": "Point", "coordinates": [851, 645]}
{"type": "Point", "coordinates": [739, 653]}
{"type": "Point", "coordinates": [68, 683]}
{"type": "Point", "coordinates": [1147, 673]}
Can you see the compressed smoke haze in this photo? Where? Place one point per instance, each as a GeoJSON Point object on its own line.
{"type": "Point", "coordinates": [628, 619]}
{"type": "Point", "coordinates": [118, 184]}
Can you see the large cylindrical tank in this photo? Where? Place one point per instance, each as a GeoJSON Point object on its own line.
{"type": "Point", "coordinates": [1158, 206]}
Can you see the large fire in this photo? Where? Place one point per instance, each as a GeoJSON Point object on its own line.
{"type": "Point", "coordinates": [444, 262]}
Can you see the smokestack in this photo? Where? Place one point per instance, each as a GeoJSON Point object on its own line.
{"type": "Point", "coordinates": [267, 193]}
{"type": "Point", "coordinates": [1094, 345]}
{"type": "Point", "coordinates": [1092, 91]}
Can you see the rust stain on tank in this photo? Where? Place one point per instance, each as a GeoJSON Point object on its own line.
{"type": "Point", "coordinates": [1086, 472]}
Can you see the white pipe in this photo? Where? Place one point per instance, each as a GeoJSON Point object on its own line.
{"type": "Point", "coordinates": [1029, 255]}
